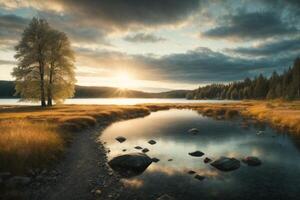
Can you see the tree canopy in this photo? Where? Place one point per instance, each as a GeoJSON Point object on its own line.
{"type": "Point", "coordinates": [45, 64]}
{"type": "Point", "coordinates": [286, 85]}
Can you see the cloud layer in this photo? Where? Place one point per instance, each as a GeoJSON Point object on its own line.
{"type": "Point", "coordinates": [157, 40]}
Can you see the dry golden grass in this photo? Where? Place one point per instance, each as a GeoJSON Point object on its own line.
{"type": "Point", "coordinates": [33, 137]}
{"type": "Point", "coordinates": [25, 145]}
{"type": "Point", "coordinates": [283, 115]}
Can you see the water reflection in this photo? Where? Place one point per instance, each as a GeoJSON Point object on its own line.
{"type": "Point", "coordinates": [277, 178]}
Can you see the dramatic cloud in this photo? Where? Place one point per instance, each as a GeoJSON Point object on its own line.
{"type": "Point", "coordinates": [201, 65]}
{"type": "Point", "coordinates": [255, 25]}
{"type": "Point", "coordinates": [270, 48]}
{"type": "Point", "coordinates": [11, 26]}
{"type": "Point", "coordinates": [122, 14]}
{"type": "Point", "coordinates": [143, 37]}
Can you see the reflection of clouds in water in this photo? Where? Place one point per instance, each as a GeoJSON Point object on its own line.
{"type": "Point", "coordinates": [170, 171]}
{"type": "Point", "coordinates": [216, 138]}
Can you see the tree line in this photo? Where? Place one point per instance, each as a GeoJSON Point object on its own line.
{"type": "Point", "coordinates": [45, 67]}
{"type": "Point", "coordinates": [285, 86]}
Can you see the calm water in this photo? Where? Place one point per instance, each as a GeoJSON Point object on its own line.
{"type": "Point", "coordinates": [116, 101]}
{"type": "Point", "coordinates": [277, 178]}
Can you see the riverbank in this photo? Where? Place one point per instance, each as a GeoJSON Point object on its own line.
{"type": "Point", "coordinates": [71, 131]}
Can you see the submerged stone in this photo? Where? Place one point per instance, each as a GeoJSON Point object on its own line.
{"type": "Point", "coordinates": [191, 172]}
{"type": "Point", "coordinates": [193, 130]}
{"type": "Point", "coordinates": [152, 142]}
{"type": "Point", "coordinates": [226, 164]}
{"type": "Point", "coordinates": [252, 161]}
{"type": "Point", "coordinates": [155, 160]}
{"type": "Point", "coordinates": [120, 139]}
{"type": "Point", "coordinates": [138, 147]}
{"type": "Point", "coordinates": [196, 153]}
{"type": "Point", "coordinates": [145, 150]}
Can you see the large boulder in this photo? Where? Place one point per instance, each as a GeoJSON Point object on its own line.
{"type": "Point", "coordinates": [135, 162]}
{"type": "Point", "coordinates": [226, 164]}
{"type": "Point", "coordinates": [196, 153]}
{"type": "Point", "coordinates": [251, 161]}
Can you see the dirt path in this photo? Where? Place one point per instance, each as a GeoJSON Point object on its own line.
{"type": "Point", "coordinates": [84, 173]}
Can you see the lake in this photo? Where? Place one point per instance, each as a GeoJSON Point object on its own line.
{"type": "Point", "coordinates": [116, 101]}
{"type": "Point", "coordinates": [278, 177]}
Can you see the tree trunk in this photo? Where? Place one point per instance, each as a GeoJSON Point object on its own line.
{"type": "Point", "coordinates": [50, 86]}
{"type": "Point", "coordinates": [42, 88]}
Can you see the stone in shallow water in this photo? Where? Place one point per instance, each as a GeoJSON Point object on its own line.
{"type": "Point", "coordinates": [152, 142]}
{"type": "Point", "coordinates": [193, 130]}
{"type": "Point", "coordinates": [170, 160]}
{"type": "Point", "coordinates": [145, 150]}
{"type": "Point", "coordinates": [134, 162]}
{"type": "Point", "coordinates": [252, 161]}
{"type": "Point", "coordinates": [199, 177]}
{"type": "Point", "coordinates": [155, 160]}
{"type": "Point", "coordinates": [138, 147]}
{"type": "Point", "coordinates": [191, 172]}
{"type": "Point", "coordinates": [120, 139]}
{"type": "Point", "coordinates": [196, 153]}
{"type": "Point", "coordinates": [226, 164]}
{"type": "Point", "coordinates": [207, 160]}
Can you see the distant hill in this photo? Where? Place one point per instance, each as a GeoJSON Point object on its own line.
{"type": "Point", "coordinates": [7, 90]}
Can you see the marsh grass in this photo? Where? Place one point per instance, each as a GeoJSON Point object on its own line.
{"type": "Point", "coordinates": [25, 145]}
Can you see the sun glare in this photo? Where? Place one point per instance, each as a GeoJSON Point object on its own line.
{"type": "Point", "coordinates": [124, 80]}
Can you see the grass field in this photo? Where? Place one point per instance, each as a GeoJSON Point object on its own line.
{"type": "Point", "coordinates": [34, 137]}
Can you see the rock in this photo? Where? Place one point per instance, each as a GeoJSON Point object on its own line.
{"type": "Point", "coordinates": [134, 161]}
{"type": "Point", "coordinates": [196, 153]}
{"type": "Point", "coordinates": [124, 150]}
{"type": "Point", "coordinates": [152, 142]}
{"type": "Point", "coordinates": [191, 172]}
{"type": "Point", "coordinates": [207, 160]}
{"type": "Point", "coordinates": [97, 192]}
{"type": "Point", "coordinates": [193, 130]}
{"type": "Point", "coordinates": [138, 147]}
{"type": "Point", "coordinates": [165, 197]}
{"type": "Point", "coordinates": [252, 161]}
{"type": "Point", "coordinates": [199, 177]}
{"type": "Point", "coordinates": [145, 150]}
{"type": "Point", "coordinates": [5, 175]}
{"type": "Point", "coordinates": [18, 181]}
{"type": "Point", "coordinates": [120, 139]}
{"type": "Point", "coordinates": [155, 160]}
{"type": "Point", "coordinates": [170, 160]}
{"type": "Point", "coordinates": [226, 164]}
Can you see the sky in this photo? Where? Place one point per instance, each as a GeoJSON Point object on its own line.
{"type": "Point", "coordinates": [160, 45]}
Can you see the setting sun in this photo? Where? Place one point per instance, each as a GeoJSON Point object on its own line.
{"type": "Point", "coordinates": [124, 80]}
